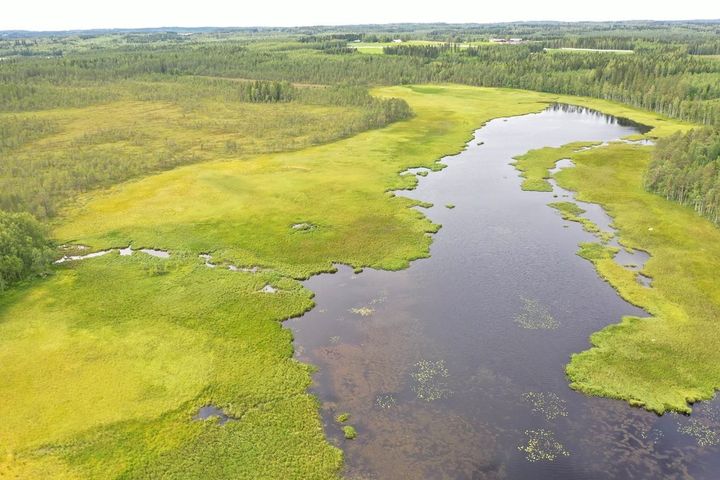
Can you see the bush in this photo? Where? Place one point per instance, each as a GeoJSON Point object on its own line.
{"type": "Point", "coordinates": [25, 250]}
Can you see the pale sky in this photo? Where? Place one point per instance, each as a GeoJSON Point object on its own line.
{"type": "Point", "coordinates": [86, 14]}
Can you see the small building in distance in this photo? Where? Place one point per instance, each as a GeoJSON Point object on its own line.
{"type": "Point", "coordinates": [507, 41]}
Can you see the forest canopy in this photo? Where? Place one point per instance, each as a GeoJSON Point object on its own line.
{"type": "Point", "coordinates": [686, 169]}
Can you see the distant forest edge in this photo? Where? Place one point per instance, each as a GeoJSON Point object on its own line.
{"type": "Point", "coordinates": [665, 74]}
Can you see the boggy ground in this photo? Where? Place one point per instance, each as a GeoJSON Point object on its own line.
{"type": "Point", "coordinates": [106, 362]}
{"type": "Point", "coordinates": [663, 362]}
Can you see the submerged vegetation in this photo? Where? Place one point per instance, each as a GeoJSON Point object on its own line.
{"type": "Point", "coordinates": [430, 380]}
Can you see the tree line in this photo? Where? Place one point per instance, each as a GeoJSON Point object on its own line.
{"type": "Point", "coordinates": [659, 77]}
{"type": "Point", "coordinates": [686, 169]}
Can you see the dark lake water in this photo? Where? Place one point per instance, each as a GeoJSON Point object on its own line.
{"type": "Point", "coordinates": [454, 368]}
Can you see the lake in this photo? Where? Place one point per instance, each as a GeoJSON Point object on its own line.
{"type": "Point", "coordinates": [454, 368]}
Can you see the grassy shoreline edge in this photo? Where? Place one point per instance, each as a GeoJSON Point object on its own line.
{"type": "Point", "coordinates": [668, 361]}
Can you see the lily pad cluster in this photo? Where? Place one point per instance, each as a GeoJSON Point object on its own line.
{"type": "Point", "coordinates": [385, 400]}
{"type": "Point", "coordinates": [549, 405]}
{"type": "Point", "coordinates": [363, 311]}
{"type": "Point", "coordinates": [430, 380]}
{"type": "Point", "coordinates": [535, 316]}
{"type": "Point", "coordinates": [542, 446]}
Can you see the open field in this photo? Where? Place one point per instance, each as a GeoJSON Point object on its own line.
{"type": "Point", "coordinates": [600, 50]}
{"type": "Point", "coordinates": [376, 48]}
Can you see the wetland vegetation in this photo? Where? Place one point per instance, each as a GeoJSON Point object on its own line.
{"type": "Point", "coordinates": [277, 154]}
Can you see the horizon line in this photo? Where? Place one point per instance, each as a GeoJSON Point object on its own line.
{"type": "Point", "coordinates": [349, 25]}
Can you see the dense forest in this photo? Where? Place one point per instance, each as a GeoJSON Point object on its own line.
{"type": "Point", "coordinates": [686, 169]}
{"type": "Point", "coordinates": [286, 88]}
{"type": "Point", "coordinates": [657, 76]}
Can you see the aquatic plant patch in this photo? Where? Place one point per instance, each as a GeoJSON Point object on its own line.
{"type": "Point", "coordinates": [535, 316]}
{"type": "Point", "coordinates": [547, 404]}
{"type": "Point", "coordinates": [430, 378]}
{"type": "Point", "coordinates": [542, 446]}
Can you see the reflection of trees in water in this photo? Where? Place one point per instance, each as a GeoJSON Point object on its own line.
{"type": "Point", "coordinates": [609, 119]}
{"type": "Point", "coordinates": [420, 441]}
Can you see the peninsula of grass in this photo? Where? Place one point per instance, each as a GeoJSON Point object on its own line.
{"type": "Point", "coordinates": [535, 166]}
{"type": "Point", "coordinates": [571, 212]}
{"type": "Point", "coordinates": [106, 362]}
{"type": "Point", "coordinates": [672, 359]}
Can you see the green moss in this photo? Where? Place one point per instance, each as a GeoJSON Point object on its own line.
{"type": "Point", "coordinates": [342, 417]}
{"type": "Point", "coordinates": [349, 432]}
{"type": "Point", "coordinates": [131, 365]}
{"type": "Point", "coordinates": [449, 206]}
{"type": "Point", "coordinates": [596, 251]}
